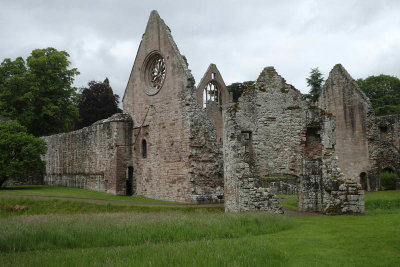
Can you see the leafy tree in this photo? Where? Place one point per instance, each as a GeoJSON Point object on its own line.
{"type": "Point", "coordinates": [96, 102]}
{"type": "Point", "coordinates": [237, 89]}
{"type": "Point", "coordinates": [38, 92]}
{"type": "Point", "coordinates": [384, 93]}
{"type": "Point", "coordinates": [19, 152]}
{"type": "Point", "coordinates": [315, 82]}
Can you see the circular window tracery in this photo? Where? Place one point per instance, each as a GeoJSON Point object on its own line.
{"type": "Point", "coordinates": [154, 73]}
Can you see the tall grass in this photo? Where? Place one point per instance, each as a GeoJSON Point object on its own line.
{"type": "Point", "coordinates": [105, 230]}
{"type": "Point", "coordinates": [16, 207]}
{"type": "Point", "coordinates": [194, 237]}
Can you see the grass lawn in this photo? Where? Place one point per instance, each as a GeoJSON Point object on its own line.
{"type": "Point", "coordinates": [200, 237]}
{"type": "Point", "coordinates": [58, 191]}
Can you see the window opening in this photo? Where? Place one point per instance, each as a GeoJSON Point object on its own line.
{"type": "Point", "coordinates": [144, 148]}
{"type": "Point", "coordinates": [211, 93]}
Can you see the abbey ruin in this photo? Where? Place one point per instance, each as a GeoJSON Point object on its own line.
{"type": "Point", "coordinates": [181, 142]}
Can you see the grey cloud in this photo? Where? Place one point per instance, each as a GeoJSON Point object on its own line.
{"type": "Point", "coordinates": [241, 37]}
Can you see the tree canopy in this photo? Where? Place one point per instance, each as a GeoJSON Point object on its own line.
{"type": "Point", "coordinates": [384, 93]}
{"type": "Point", "coordinates": [314, 81]}
{"type": "Point", "coordinates": [237, 89]}
{"type": "Point", "coordinates": [19, 152]}
{"type": "Point", "coordinates": [38, 92]}
{"type": "Point", "coordinates": [96, 102]}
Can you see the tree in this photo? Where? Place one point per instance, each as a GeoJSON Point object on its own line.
{"type": "Point", "coordinates": [19, 152]}
{"type": "Point", "coordinates": [315, 83]}
{"type": "Point", "coordinates": [237, 89]}
{"type": "Point", "coordinates": [38, 93]}
{"type": "Point", "coordinates": [384, 93]}
{"type": "Point", "coordinates": [96, 102]}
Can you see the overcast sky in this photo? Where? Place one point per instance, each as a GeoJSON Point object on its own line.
{"type": "Point", "coordinates": [240, 37]}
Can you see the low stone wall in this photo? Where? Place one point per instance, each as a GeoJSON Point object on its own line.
{"type": "Point", "coordinates": [93, 158]}
{"type": "Point", "coordinates": [347, 199]}
{"type": "Point", "coordinates": [280, 185]}
{"type": "Point", "coordinates": [31, 180]}
{"type": "Point", "coordinates": [256, 198]}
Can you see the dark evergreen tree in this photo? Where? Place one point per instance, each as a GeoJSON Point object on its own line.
{"type": "Point", "coordinates": [315, 82]}
{"type": "Point", "coordinates": [97, 102]}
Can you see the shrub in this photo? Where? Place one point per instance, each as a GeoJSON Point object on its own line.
{"type": "Point", "coordinates": [388, 180]}
{"type": "Point", "coordinates": [20, 152]}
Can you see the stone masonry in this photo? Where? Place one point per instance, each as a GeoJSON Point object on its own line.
{"type": "Point", "coordinates": [366, 145]}
{"type": "Point", "coordinates": [94, 157]}
{"type": "Point", "coordinates": [271, 132]}
{"type": "Point", "coordinates": [353, 112]}
{"type": "Point", "coordinates": [182, 161]}
{"type": "Point", "coordinates": [384, 150]}
{"type": "Point", "coordinates": [179, 142]}
{"type": "Point", "coordinates": [213, 96]}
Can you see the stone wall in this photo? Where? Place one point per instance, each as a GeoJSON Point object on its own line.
{"type": "Point", "coordinates": [94, 157]}
{"type": "Point", "coordinates": [30, 180]}
{"type": "Point", "coordinates": [366, 145]}
{"type": "Point", "coordinates": [271, 131]}
{"type": "Point", "coordinates": [384, 150]}
{"type": "Point", "coordinates": [182, 161]}
{"type": "Point", "coordinates": [206, 158]}
{"type": "Point", "coordinates": [287, 185]}
{"type": "Point", "coordinates": [342, 97]}
{"type": "Point", "coordinates": [214, 108]}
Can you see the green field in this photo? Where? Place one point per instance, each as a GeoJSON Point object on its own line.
{"type": "Point", "coordinates": [71, 233]}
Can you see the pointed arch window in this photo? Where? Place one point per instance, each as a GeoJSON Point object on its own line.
{"type": "Point", "coordinates": [211, 93]}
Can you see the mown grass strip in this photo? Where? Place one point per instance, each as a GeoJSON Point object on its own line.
{"type": "Point", "coordinates": [58, 191]}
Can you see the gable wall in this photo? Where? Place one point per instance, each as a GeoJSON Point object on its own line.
{"type": "Point", "coordinates": [182, 164]}
{"type": "Point", "coordinates": [353, 112]}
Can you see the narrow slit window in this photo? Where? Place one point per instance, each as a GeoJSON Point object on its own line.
{"type": "Point", "coordinates": [247, 142]}
{"type": "Point", "coordinates": [144, 149]}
